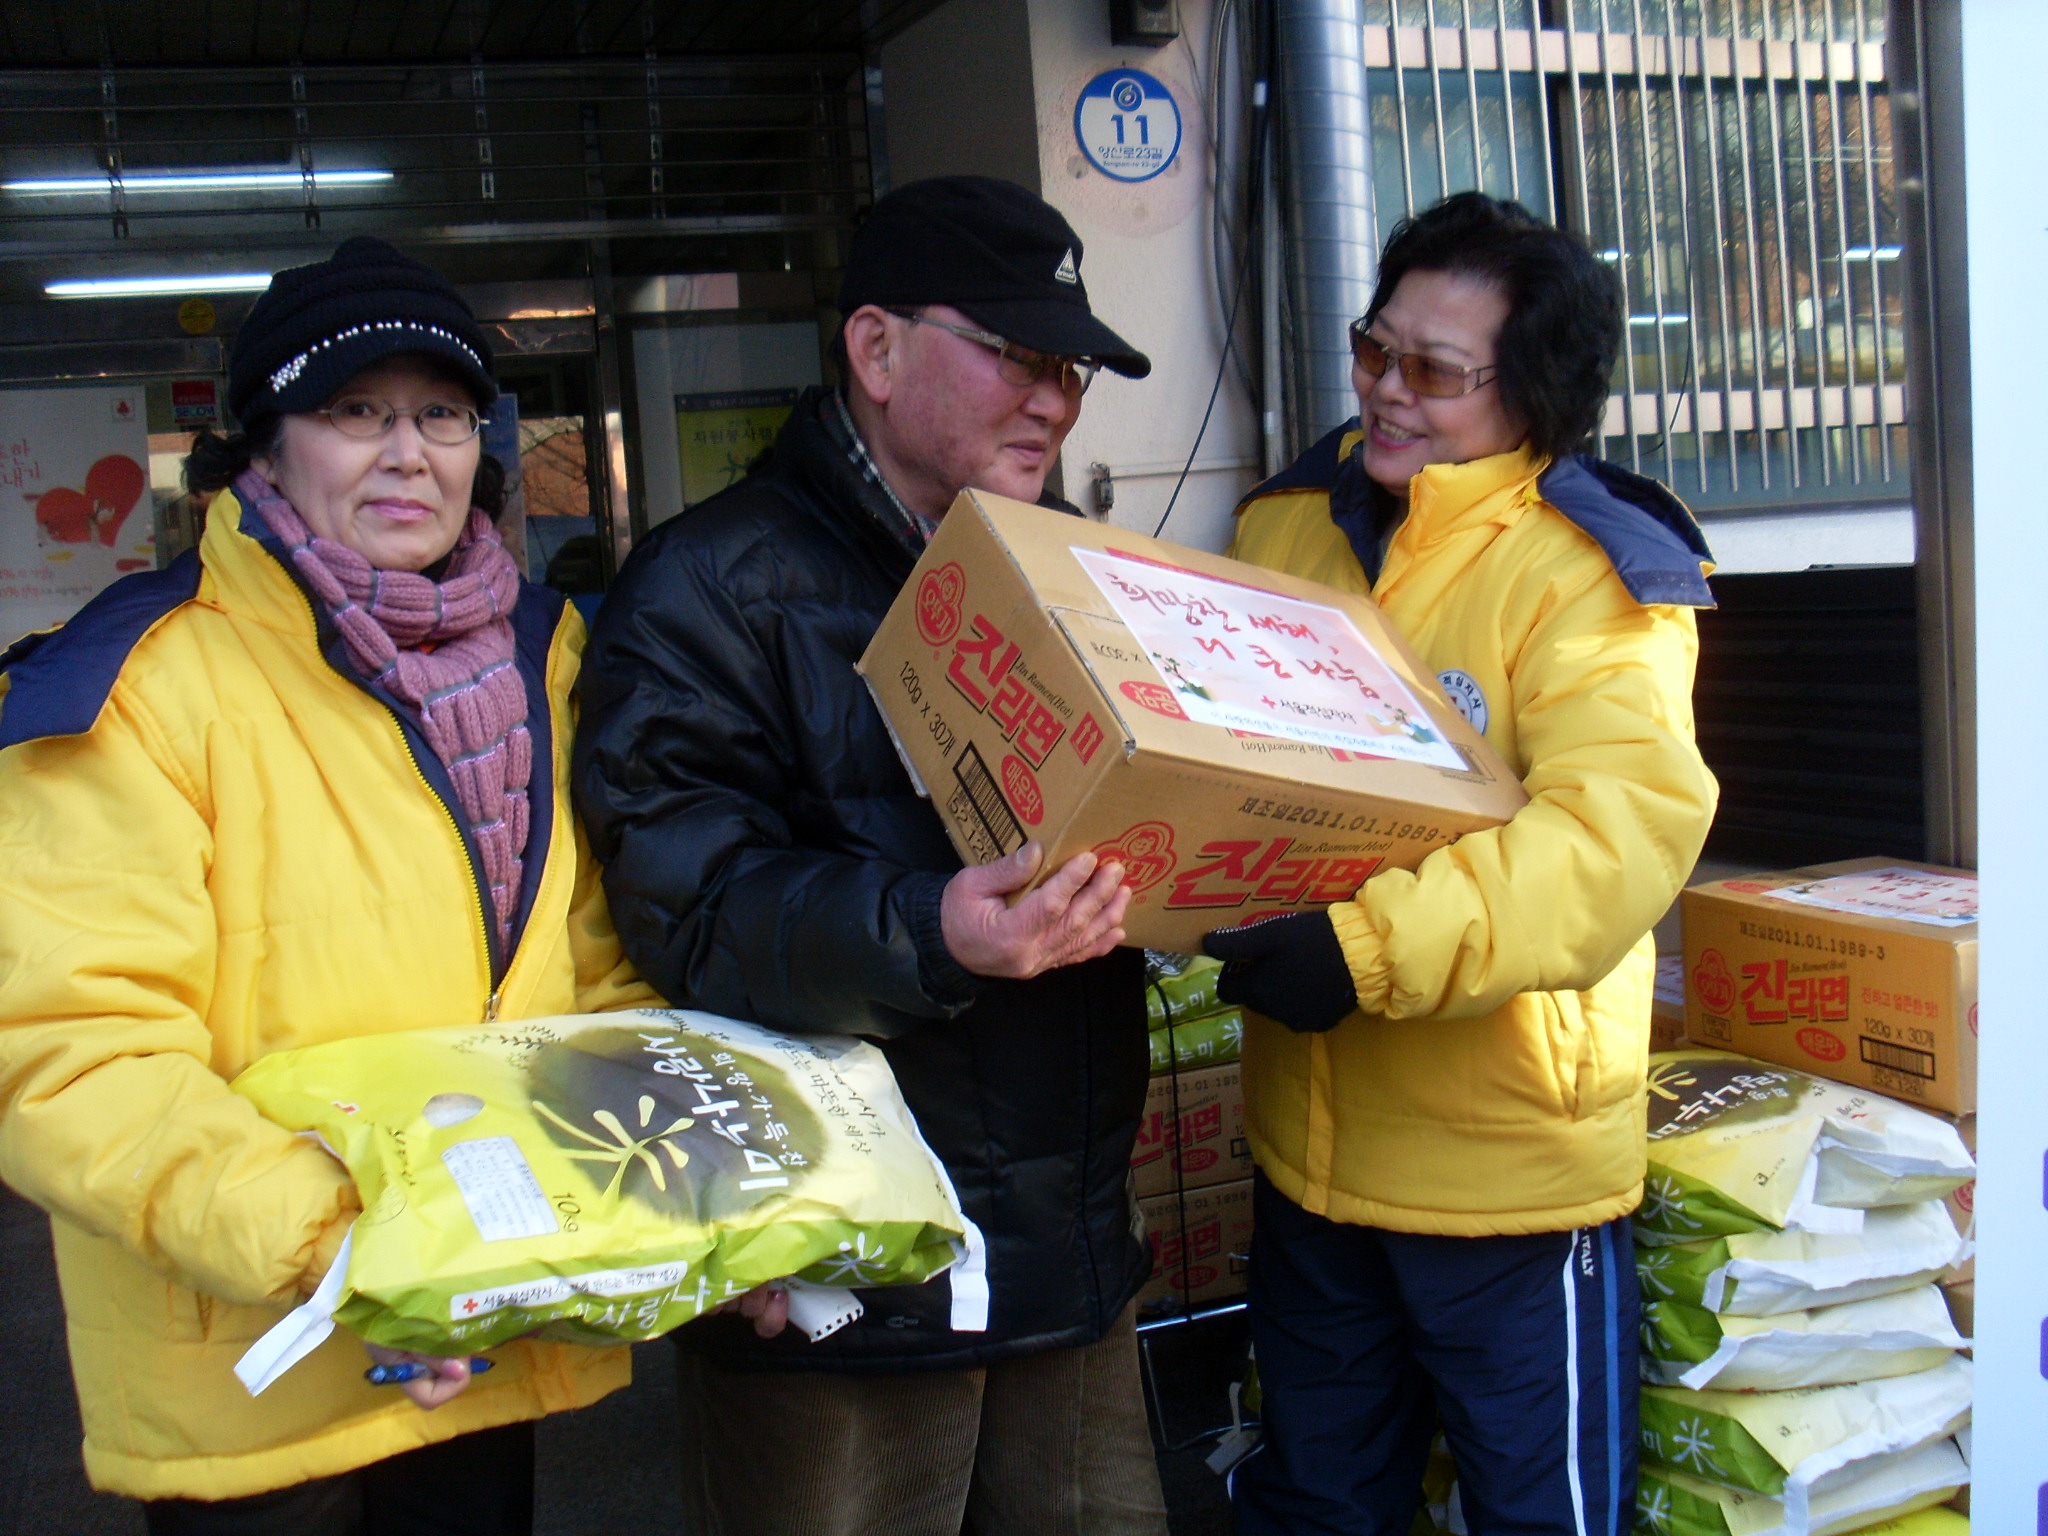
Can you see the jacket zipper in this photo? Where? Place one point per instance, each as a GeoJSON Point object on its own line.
{"type": "Point", "coordinates": [476, 883]}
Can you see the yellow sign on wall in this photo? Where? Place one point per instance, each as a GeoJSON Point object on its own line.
{"type": "Point", "coordinates": [719, 435]}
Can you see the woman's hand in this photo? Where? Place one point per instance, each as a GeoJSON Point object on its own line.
{"type": "Point", "coordinates": [1291, 968]}
{"type": "Point", "coordinates": [445, 1382]}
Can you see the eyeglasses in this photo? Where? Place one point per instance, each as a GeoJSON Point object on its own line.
{"type": "Point", "coordinates": [362, 416]}
{"type": "Point", "coordinates": [1020, 366]}
{"type": "Point", "coordinates": [1425, 375]}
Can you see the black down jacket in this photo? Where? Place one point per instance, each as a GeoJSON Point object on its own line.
{"type": "Point", "coordinates": [767, 858]}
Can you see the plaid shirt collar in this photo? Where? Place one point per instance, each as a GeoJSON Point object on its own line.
{"type": "Point", "coordinates": [916, 524]}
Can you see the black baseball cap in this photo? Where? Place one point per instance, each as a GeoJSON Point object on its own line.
{"type": "Point", "coordinates": [1000, 255]}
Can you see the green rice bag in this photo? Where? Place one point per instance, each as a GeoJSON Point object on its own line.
{"type": "Point", "coordinates": [1801, 1445]}
{"type": "Point", "coordinates": [1180, 987]}
{"type": "Point", "coordinates": [1742, 1146]}
{"type": "Point", "coordinates": [1892, 1335]}
{"type": "Point", "coordinates": [1926, 1522]}
{"type": "Point", "coordinates": [1762, 1274]}
{"type": "Point", "coordinates": [606, 1177]}
{"type": "Point", "coordinates": [1674, 1503]}
{"type": "Point", "coordinates": [1199, 1042]}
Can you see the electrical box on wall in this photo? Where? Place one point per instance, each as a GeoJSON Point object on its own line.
{"type": "Point", "coordinates": [1148, 23]}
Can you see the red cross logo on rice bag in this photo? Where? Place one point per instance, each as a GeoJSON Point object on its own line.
{"type": "Point", "coordinates": [1713, 983]}
{"type": "Point", "coordinates": [1145, 851]}
{"type": "Point", "coordinates": [1156, 697]}
{"type": "Point", "coordinates": [938, 603]}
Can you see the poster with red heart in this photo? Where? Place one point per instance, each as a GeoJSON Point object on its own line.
{"type": "Point", "coordinates": [75, 506]}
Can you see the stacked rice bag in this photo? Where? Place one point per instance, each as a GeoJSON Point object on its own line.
{"type": "Point", "coordinates": [1801, 1366]}
{"type": "Point", "coordinates": [1190, 1026]}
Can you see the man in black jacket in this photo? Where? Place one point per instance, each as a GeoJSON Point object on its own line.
{"type": "Point", "coordinates": [767, 858]}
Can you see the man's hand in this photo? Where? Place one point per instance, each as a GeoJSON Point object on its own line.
{"type": "Point", "coordinates": [449, 1376]}
{"type": "Point", "coordinates": [1076, 915]}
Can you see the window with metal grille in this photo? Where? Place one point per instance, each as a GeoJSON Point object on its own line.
{"type": "Point", "coordinates": [1732, 158]}
{"type": "Point", "coordinates": [715, 147]}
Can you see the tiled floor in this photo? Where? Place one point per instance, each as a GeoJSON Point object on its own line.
{"type": "Point", "coordinates": [43, 1491]}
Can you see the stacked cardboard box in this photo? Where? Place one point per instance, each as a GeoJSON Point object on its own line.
{"type": "Point", "coordinates": [1667, 1004]}
{"type": "Point", "coordinates": [1192, 1165]}
{"type": "Point", "coordinates": [1865, 972]}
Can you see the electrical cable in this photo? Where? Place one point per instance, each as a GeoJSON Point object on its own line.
{"type": "Point", "coordinates": [1233, 54]}
{"type": "Point", "coordinates": [1262, 113]}
{"type": "Point", "coordinates": [1215, 389]}
{"type": "Point", "coordinates": [1677, 404]}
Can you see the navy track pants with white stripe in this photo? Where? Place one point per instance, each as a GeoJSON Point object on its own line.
{"type": "Point", "coordinates": [1524, 1346]}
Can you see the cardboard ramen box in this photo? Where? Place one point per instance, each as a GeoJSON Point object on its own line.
{"type": "Point", "coordinates": [1205, 1257]}
{"type": "Point", "coordinates": [1667, 1005]}
{"type": "Point", "coordinates": [1244, 743]}
{"type": "Point", "coordinates": [1195, 1121]}
{"type": "Point", "coordinates": [1962, 1306]}
{"type": "Point", "coordinates": [1864, 972]}
{"type": "Point", "coordinates": [1962, 1209]}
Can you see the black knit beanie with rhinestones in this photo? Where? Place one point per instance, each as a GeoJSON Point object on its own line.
{"type": "Point", "coordinates": [316, 327]}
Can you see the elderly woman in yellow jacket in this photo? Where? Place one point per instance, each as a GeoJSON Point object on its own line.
{"type": "Point", "coordinates": [1446, 1088]}
{"type": "Point", "coordinates": [307, 783]}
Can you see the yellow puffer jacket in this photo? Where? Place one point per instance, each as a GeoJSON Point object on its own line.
{"type": "Point", "coordinates": [214, 844]}
{"type": "Point", "coordinates": [1492, 1080]}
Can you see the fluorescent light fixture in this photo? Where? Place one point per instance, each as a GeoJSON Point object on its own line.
{"type": "Point", "coordinates": [195, 181]}
{"type": "Point", "coordinates": [1610, 255]}
{"type": "Point", "coordinates": [132, 287]}
{"type": "Point", "coordinates": [1864, 253]}
{"type": "Point", "coordinates": [1659, 319]}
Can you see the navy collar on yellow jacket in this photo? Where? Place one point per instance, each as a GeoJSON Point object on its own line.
{"type": "Point", "coordinates": [1651, 540]}
{"type": "Point", "coordinates": [535, 617]}
{"type": "Point", "coordinates": [1315, 470]}
{"type": "Point", "coordinates": [58, 679]}
{"type": "Point", "coordinates": [1654, 543]}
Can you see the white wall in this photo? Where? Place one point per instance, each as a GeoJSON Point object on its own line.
{"type": "Point", "coordinates": [1798, 541]}
{"type": "Point", "coordinates": [978, 84]}
{"type": "Point", "coordinates": [1149, 275]}
{"type": "Point", "coordinates": [2007, 193]}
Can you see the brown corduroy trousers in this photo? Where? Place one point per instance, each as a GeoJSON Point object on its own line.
{"type": "Point", "coordinates": [1053, 1444]}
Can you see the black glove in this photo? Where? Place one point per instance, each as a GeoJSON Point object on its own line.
{"type": "Point", "coordinates": [1290, 968]}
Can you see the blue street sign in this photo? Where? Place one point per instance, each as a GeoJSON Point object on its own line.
{"type": "Point", "coordinates": [1127, 124]}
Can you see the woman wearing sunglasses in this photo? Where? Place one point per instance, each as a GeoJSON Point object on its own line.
{"type": "Point", "coordinates": [309, 782]}
{"type": "Point", "coordinates": [1446, 1088]}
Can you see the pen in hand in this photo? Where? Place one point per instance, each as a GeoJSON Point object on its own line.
{"type": "Point", "coordinates": [412, 1370]}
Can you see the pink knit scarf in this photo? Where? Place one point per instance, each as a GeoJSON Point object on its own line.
{"type": "Point", "coordinates": [445, 648]}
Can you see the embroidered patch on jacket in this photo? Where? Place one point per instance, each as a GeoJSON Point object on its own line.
{"type": "Point", "coordinates": [1469, 697]}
